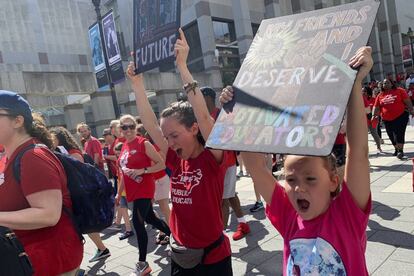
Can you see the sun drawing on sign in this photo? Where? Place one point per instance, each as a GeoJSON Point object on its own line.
{"type": "Point", "coordinates": [268, 50]}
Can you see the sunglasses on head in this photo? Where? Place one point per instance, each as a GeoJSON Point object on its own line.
{"type": "Point", "coordinates": [125, 127]}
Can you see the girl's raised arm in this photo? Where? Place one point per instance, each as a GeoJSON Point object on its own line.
{"type": "Point", "coordinates": [357, 166]}
{"type": "Point", "coordinates": [195, 97]}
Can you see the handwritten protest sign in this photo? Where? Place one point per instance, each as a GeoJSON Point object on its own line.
{"type": "Point", "coordinates": [293, 87]}
{"type": "Point", "coordinates": [155, 31]}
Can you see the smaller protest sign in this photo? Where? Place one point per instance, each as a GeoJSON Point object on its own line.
{"type": "Point", "coordinates": [155, 31]}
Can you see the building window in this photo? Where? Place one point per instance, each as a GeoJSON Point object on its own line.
{"type": "Point", "coordinates": [195, 57]}
{"type": "Point", "coordinates": [255, 28]}
{"type": "Point", "coordinates": [224, 32]}
{"type": "Point", "coordinates": [227, 50]}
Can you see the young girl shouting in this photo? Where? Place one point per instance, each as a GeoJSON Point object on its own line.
{"type": "Point", "coordinates": [323, 230]}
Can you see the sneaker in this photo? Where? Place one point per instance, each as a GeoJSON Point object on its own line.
{"type": "Point", "coordinates": [242, 230]}
{"type": "Point", "coordinates": [400, 155]}
{"type": "Point", "coordinates": [395, 153]}
{"type": "Point", "coordinates": [126, 235]}
{"type": "Point", "coordinates": [257, 207]}
{"type": "Point", "coordinates": [100, 255]}
{"type": "Point", "coordinates": [141, 269]}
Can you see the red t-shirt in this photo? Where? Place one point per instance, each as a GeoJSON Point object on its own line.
{"type": "Point", "coordinates": [391, 104]}
{"type": "Point", "coordinates": [133, 157]}
{"type": "Point", "coordinates": [73, 151]}
{"type": "Point", "coordinates": [52, 250]}
{"type": "Point", "coordinates": [159, 174]}
{"type": "Point", "coordinates": [112, 164]}
{"type": "Point", "coordinates": [196, 195]}
{"type": "Point", "coordinates": [333, 243]}
{"type": "Point", "coordinates": [119, 140]}
{"type": "Point", "coordinates": [93, 146]}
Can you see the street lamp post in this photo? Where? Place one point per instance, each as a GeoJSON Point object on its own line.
{"type": "Point", "coordinates": [410, 35]}
{"type": "Point", "coordinates": [97, 3]}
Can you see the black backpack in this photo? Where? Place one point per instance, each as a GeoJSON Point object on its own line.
{"type": "Point", "coordinates": [90, 191]}
{"type": "Point", "coordinates": [13, 259]}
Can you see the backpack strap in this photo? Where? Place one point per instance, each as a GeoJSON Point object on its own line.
{"type": "Point", "coordinates": [18, 159]}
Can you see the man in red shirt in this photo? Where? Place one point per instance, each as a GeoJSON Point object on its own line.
{"type": "Point", "coordinates": [92, 146]}
{"type": "Point", "coordinates": [229, 194]}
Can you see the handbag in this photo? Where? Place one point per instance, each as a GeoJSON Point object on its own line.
{"type": "Point", "coordinates": [13, 259]}
{"type": "Point", "coordinates": [189, 258]}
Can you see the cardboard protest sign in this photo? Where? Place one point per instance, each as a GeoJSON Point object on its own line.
{"type": "Point", "coordinates": [112, 48]}
{"type": "Point", "coordinates": [156, 23]}
{"type": "Point", "coordinates": [97, 56]}
{"type": "Point", "coordinates": [293, 87]}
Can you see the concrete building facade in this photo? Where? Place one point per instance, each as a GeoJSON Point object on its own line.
{"type": "Point", "coordinates": [45, 55]}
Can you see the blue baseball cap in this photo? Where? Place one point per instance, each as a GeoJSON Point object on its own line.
{"type": "Point", "coordinates": [15, 104]}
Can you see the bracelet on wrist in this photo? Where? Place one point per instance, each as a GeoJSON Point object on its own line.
{"type": "Point", "coordinates": [191, 86]}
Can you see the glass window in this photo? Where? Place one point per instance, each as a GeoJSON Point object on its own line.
{"type": "Point", "coordinates": [224, 32]}
{"type": "Point", "coordinates": [195, 57]}
{"type": "Point", "coordinates": [255, 28]}
{"type": "Point", "coordinates": [193, 38]}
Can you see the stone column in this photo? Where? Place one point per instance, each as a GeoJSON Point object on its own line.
{"type": "Point", "coordinates": [164, 98]}
{"type": "Point", "coordinates": [384, 28]}
{"type": "Point", "coordinates": [74, 114]}
{"type": "Point", "coordinates": [242, 23]}
{"type": "Point", "coordinates": [272, 8]}
{"type": "Point", "coordinates": [102, 109]}
{"type": "Point", "coordinates": [205, 28]}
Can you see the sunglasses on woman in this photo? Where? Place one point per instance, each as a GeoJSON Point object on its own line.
{"type": "Point", "coordinates": [125, 127]}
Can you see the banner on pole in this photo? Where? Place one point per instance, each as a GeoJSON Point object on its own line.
{"type": "Point", "coordinates": [112, 48]}
{"type": "Point", "coordinates": [156, 23]}
{"type": "Point", "coordinates": [293, 87]}
{"type": "Point", "coordinates": [98, 61]}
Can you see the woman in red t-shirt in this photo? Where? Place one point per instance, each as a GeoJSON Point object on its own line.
{"type": "Point", "coordinates": [32, 207]}
{"type": "Point", "coordinates": [63, 138]}
{"type": "Point", "coordinates": [138, 161]}
{"type": "Point", "coordinates": [392, 103]}
{"type": "Point", "coordinates": [369, 101]}
{"type": "Point", "coordinates": [197, 178]}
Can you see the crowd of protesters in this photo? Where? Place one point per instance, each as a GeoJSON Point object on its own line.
{"type": "Point", "coordinates": [165, 161]}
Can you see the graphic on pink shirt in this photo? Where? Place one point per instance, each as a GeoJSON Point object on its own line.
{"type": "Point", "coordinates": [313, 257]}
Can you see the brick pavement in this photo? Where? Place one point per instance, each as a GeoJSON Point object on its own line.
{"type": "Point", "coordinates": [390, 231]}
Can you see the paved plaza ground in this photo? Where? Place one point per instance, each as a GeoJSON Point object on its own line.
{"type": "Point", "coordinates": [390, 230]}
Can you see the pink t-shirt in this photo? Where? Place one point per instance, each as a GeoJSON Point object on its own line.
{"type": "Point", "coordinates": [333, 243]}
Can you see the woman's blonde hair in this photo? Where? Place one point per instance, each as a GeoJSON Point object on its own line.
{"type": "Point", "coordinates": [128, 117]}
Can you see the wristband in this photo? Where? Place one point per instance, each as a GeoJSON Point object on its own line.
{"type": "Point", "coordinates": [191, 86]}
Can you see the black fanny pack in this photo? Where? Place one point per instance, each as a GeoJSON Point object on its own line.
{"type": "Point", "coordinates": [191, 257]}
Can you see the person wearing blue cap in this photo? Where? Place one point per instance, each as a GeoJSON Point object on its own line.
{"type": "Point", "coordinates": [32, 205]}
